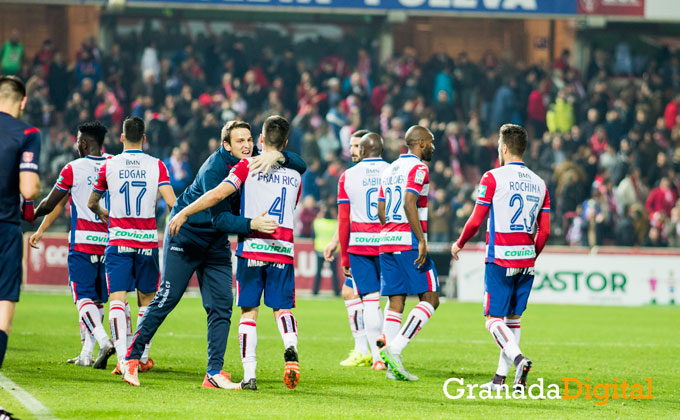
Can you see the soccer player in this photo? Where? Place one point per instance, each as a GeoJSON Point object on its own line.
{"type": "Point", "coordinates": [265, 261]}
{"type": "Point", "coordinates": [19, 157]}
{"type": "Point", "coordinates": [406, 267]}
{"type": "Point", "coordinates": [359, 236]}
{"type": "Point", "coordinates": [204, 249]}
{"type": "Point", "coordinates": [133, 180]}
{"type": "Point", "coordinates": [360, 355]}
{"type": "Point", "coordinates": [88, 238]}
{"type": "Point", "coordinates": [518, 200]}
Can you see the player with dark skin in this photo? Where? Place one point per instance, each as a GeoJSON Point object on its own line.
{"type": "Point", "coordinates": [370, 146]}
{"type": "Point", "coordinates": [420, 142]}
{"type": "Point", "coordinates": [87, 146]}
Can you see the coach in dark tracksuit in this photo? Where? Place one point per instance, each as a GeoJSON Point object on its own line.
{"type": "Point", "coordinates": [202, 248]}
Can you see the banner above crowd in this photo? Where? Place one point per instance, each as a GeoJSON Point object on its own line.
{"type": "Point", "coordinates": [543, 7]}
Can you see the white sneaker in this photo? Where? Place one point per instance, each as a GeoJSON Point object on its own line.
{"type": "Point", "coordinates": [491, 386]}
{"type": "Point", "coordinates": [220, 380]}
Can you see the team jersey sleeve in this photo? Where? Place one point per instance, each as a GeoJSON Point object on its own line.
{"type": "Point", "coordinates": [381, 194]}
{"type": "Point", "coordinates": [546, 203]}
{"type": "Point", "coordinates": [294, 161]}
{"type": "Point", "coordinates": [100, 184]}
{"type": "Point", "coordinates": [417, 178]}
{"type": "Point", "coordinates": [65, 180]}
{"type": "Point", "coordinates": [342, 194]}
{"type": "Point", "coordinates": [163, 174]}
{"type": "Point", "coordinates": [30, 151]}
{"type": "Point", "coordinates": [238, 174]}
{"type": "Point", "coordinates": [486, 190]}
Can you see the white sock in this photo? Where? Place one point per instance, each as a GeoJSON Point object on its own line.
{"type": "Point", "coordinates": [145, 354]}
{"type": "Point", "coordinates": [118, 324]}
{"type": "Point", "coordinates": [87, 340]}
{"type": "Point", "coordinates": [415, 321]}
{"type": "Point", "coordinates": [373, 322]}
{"type": "Point", "coordinates": [504, 362]}
{"type": "Point", "coordinates": [89, 314]}
{"type": "Point", "coordinates": [100, 307]}
{"type": "Point", "coordinates": [288, 329]}
{"type": "Point", "coordinates": [504, 337]}
{"type": "Point", "coordinates": [128, 325]}
{"type": "Point", "coordinates": [247, 334]}
{"type": "Point", "coordinates": [355, 313]}
{"type": "Point", "coordinates": [392, 324]}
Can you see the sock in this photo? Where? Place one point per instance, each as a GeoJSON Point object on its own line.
{"type": "Point", "coordinates": [100, 306]}
{"type": "Point", "coordinates": [87, 340]}
{"type": "Point", "coordinates": [118, 324]}
{"type": "Point", "coordinates": [247, 335]}
{"type": "Point", "coordinates": [373, 322]}
{"type": "Point", "coordinates": [89, 315]}
{"type": "Point", "coordinates": [504, 337]}
{"type": "Point", "coordinates": [416, 320]}
{"type": "Point", "coordinates": [145, 354]}
{"type": "Point", "coordinates": [392, 324]}
{"type": "Point", "coordinates": [3, 346]}
{"type": "Point", "coordinates": [288, 329]}
{"type": "Point", "coordinates": [355, 313]}
{"type": "Point", "coordinates": [504, 362]}
{"type": "Point", "coordinates": [128, 326]}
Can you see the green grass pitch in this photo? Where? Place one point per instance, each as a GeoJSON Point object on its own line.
{"type": "Point", "coordinates": [600, 343]}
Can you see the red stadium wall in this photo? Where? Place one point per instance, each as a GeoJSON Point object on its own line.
{"type": "Point", "coordinates": [46, 266]}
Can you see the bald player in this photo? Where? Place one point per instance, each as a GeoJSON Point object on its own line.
{"type": "Point", "coordinates": [359, 237]}
{"type": "Point", "coordinates": [406, 267]}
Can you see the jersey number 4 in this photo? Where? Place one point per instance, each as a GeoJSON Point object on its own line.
{"type": "Point", "coordinates": [516, 227]}
{"type": "Point", "coordinates": [125, 190]}
{"type": "Point", "coordinates": [278, 207]}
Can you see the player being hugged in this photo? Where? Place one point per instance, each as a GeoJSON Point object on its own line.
{"type": "Point", "coordinates": [87, 241]}
{"type": "Point", "coordinates": [406, 267]}
{"type": "Point", "coordinates": [265, 261]}
{"type": "Point", "coordinates": [359, 236]}
{"type": "Point", "coordinates": [518, 202]}
{"type": "Point", "coordinates": [133, 180]}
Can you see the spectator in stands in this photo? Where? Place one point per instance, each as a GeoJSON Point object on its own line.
{"type": "Point", "coordinates": [661, 199]}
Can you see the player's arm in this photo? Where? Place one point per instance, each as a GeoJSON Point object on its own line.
{"type": "Point", "coordinates": [29, 180]}
{"type": "Point", "coordinates": [47, 205]}
{"type": "Point", "coordinates": [487, 187]}
{"type": "Point", "coordinates": [331, 247]}
{"type": "Point", "coordinates": [264, 161]}
{"type": "Point", "coordinates": [543, 223]}
{"type": "Point", "coordinates": [207, 200]}
{"type": "Point", "coordinates": [411, 210]}
{"type": "Point", "coordinates": [164, 186]}
{"type": "Point", "coordinates": [343, 224]}
{"type": "Point", "coordinates": [381, 207]}
{"type": "Point", "coordinates": [98, 189]}
{"type": "Point", "coordinates": [48, 221]}
{"type": "Point", "coordinates": [168, 195]}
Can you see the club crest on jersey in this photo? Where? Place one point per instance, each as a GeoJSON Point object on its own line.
{"type": "Point", "coordinates": [481, 191]}
{"type": "Point", "coordinates": [420, 177]}
{"type": "Point", "coordinates": [27, 157]}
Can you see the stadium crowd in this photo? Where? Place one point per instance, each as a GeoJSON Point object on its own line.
{"type": "Point", "coordinates": [607, 140]}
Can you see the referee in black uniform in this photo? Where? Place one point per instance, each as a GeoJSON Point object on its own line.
{"type": "Point", "coordinates": [19, 156]}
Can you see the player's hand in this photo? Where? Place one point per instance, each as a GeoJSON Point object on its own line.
{"type": "Point", "coordinates": [263, 162]}
{"type": "Point", "coordinates": [35, 239]}
{"type": "Point", "coordinates": [104, 216]}
{"type": "Point", "coordinates": [329, 251]}
{"type": "Point", "coordinates": [422, 254]}
{"type": "Point", "coordinates": [455, 249]}
{"type": "Point", "coordinates": [263, 224]}
{"type": "Point", "coordinates": [176, 223]}
{"type": "Point", "coordinates": [346, 271]}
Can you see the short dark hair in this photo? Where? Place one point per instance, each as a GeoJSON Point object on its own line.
{"type": "Point", "coordinates": [360, 133]}
{"type": "Point", "coordinates": [515, 137]}
{"type": "Point", "coordinates": [231, 126]}
{"type": "Point", "coordinates": [95, 130]}
{"type": "Point", "coordinates": [275, 131]}
{"type": "Point", "coordinates": [133, 129]}
{"type": "Point", "coordinates": [11, 87]}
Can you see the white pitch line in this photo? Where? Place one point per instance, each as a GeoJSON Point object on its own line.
{"type": "Point", "coordinates": [34, 406]}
